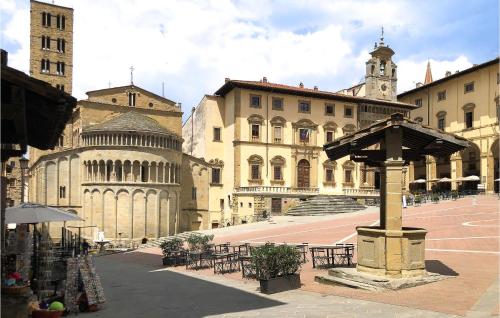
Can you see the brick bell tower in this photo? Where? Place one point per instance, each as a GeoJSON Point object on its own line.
{"type": "Point", "coordinates": [51, 44]}
{"type": "Point", "coordinates": [381, 73]}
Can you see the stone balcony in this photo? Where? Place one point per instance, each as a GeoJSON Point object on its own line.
{"type": "Point", "coordinates": [352, 192]}
{"type": "Point", "coordinates": [277, 191]}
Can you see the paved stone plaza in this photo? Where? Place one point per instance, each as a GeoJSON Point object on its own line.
{"type": "Point", "coordinates": [463, 242]}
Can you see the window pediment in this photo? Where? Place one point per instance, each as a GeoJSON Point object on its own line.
{"type": "Point", "coordinates": [441, 114]}
{"type": "Point", "coordinates": [305, 123]}
{"type": "Point", "coordinates": [348, 164]}
{"type": "Point", "coordinates": [255, 159]}
{"type": "Point", "coordinates": [255, 119]}
{"type": "Point", "coordinates": [278, 160]}
{"type": "Point", "coordinates": [349, 128]}
{"type": "Point", "coordinates": [216, 163]}
{"type": "Point", "coordinates": [330, 164]}
{"type": "Point", "coordinates": [469, 106]}
{"type": "Point", "coordinates": [330, 126]}
{"type": "Point", "coordinates": [278, 121]}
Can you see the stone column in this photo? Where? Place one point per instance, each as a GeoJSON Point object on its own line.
{"type": "Point", "coordinates": [158, 216]}
{"type": "Point", "coordinates": [456, 169]}
{"type": "Point", "coordinates": [487, 171]}
{"type": "Point", "coordinates": [116, 216]}
{"type": "Point", "coordinates": [145, 216]}
{"type": "Point", "coordinates": [430, 166]}
{"type": "Point", "coordinates": [131, 209]}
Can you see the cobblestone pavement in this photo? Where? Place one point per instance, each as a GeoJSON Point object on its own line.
{"type": "Point", "coordinates": [462, 241]}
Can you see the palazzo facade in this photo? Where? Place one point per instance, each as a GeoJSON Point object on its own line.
{"type": "Point", "coordinates": [264, 140]}
{"type": "Point", "coordinates": [465, 103]}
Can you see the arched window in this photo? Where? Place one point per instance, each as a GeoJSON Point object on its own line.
{"type": "Point", "coordinates": [255, 162]}
{"type": "Point", "coordinates": [277, 164]}
{"type": "Point", "coordinates": [382, 67]}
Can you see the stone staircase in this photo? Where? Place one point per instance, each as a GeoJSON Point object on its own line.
{"type": "Point", "coordinates": [326, 204]}
{"type": "Point", "coordinates": [158, 241]}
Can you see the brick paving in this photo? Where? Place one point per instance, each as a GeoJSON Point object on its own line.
{"type": "Point", "coordinates": [463, 241]}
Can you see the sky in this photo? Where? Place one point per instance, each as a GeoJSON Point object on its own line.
{"type": "Point", "coordinates": [191, 46]}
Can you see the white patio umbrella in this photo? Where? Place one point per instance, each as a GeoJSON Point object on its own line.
{"type": "Point", "coordinates": [419, 181]}
{"type": "Point", "coordinates": [36, 213]}
{"type": "Point", "coordinates": [497, 179]}
{"type": "Point", "coordinates": [472, 178]}
{"type": "Point", "coordinates": [445, 180]}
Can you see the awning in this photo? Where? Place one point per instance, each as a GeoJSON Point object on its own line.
{"type": "Point", "coordinates": [472, 178]}
{"type": "Point", "coordinates": [37, 213]}
{"type": "Point", "coordinates": [445, 180]}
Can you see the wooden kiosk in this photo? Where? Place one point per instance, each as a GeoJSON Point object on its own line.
{"type": "Point", "coordinates": [389, 249]}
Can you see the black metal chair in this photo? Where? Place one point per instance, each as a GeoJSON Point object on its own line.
{"type": "Point", "coordinates": [344, 256]}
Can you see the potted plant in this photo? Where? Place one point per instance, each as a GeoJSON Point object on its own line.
{"type": "Point", "coordinates": [418, 200]}
{"type": "Point", "coordinates": [277, 267]}
{"type": "Point", "coordinates": [199, 242]}
{"type": "Point", "coordinates": [435, 197]}
{"type": "Point", "coordinates": [454, 194]}
{"type": "Point", "coordinates": [168, 247]}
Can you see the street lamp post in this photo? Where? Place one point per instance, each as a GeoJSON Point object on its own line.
{"type": "Point", "coordinates": [23, 163]}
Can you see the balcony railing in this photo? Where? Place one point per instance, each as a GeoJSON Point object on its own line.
{"type": "Point", "coordinates": [283, 190]}
{"type": "Point", "coordinates": [361, 192]}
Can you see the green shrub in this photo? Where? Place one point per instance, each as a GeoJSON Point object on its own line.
{"type": "Point", "coordinates": [275, 261]}
{"type": "Point", "coordinates": [199, 242]}
{"type": "Point", "coordinates": [435, 197]}
{"type": "Point", "coordinates": [172, 245]}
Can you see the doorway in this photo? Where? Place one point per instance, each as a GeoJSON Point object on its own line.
{"type": "Point", "coordinates": [303, 169]}
{"type": "Point", "coordinates": [276, 206]}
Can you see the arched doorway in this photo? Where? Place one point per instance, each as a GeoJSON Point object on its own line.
{"type": "Point", "coordinates": [303, 175]}
{"type": "Point", "coordinates": [494, 151]}
{"type": "Point", "coordinates": [471, 165]}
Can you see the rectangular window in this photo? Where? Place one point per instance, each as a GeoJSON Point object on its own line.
{"type": "Point", "coordinates": [329, 175]}
{"type": "Point", "coordinates": [60, 68]}
{"type": "Point", "coordinates": [131, 99]}
{"type": "Point", "coordinates": [329, 136]}
{"type": "Point", "coordinates": [277, 134]}
{"type": "Point", "coordinates": [469, 87]}
{"type": "Point", "coordinates": [241, 204]}
{"type": "Point", "coordinates": [221, 204]}
{"type": "Point", "coordinates": [348, 176]}
{"type": "Point", "coordinates": [255, 132]}
{"type": "Point", "coordinates": [46, 42]}
{"type": "Point", "coordinates": [62, 192]}
{"type": "Point", "coordinates": [216, 134]}
{"type": "Point", "coordinates": [216, 175]}
{"type": "Point", "coordinates": [249, 204]}
{"type": "Point", "coordinates": [441, 96]}
{"type": "Point", "coordinates": [277, 173]}
{"type": "Point", "coordinates": [330, 109]}
{"type": "Point", "coordinates": [418, 102]}
{"type": "Point", "coordinates": [469, 118]}
{"type": "Point", "coordinates": [63, 22]}
{"type": "Point", "coordinates": [348, 112]}
{"type": "Point", "coordinates": [44, 19]}
{"type": "Point", "coordinates": [441, 123]}
{"type": "Point", "coordinates": [193, 193]}
{"type": "Point", "coordinates": [277, 103]}
{"type": "Point", "coordinates": [255, 172]}
{"type": "Point", "coordinates": [45, 66]}
{"type": "Point", "coordinates": [304, 107]}
{"type": "Point", "coordinates": [304, 134]}
{"type": "Point", "coordinates": [58, 21]}
{"type": "Point", "coordinates": [61, 45]}
{"type": "Point", "coordinates": [255, 101]}
{"type": "Point", "coordinates": [49, 19]}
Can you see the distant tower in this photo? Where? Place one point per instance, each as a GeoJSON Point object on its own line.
{"type": "Point", "coordinates": [51, 44]}
{"type": "Point", "coordinates": [381, 73]}
{"type": "Point", "coordinates": [428, 74]}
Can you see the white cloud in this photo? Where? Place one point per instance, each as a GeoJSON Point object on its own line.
{"type": "Point", "coordinates": [411, 72]}
{"type": "Point", "coordinates": [193, 45]}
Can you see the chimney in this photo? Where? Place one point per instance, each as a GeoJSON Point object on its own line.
{"type": "Point", "coordinates": [226, 80]}
{"type": "Point", "coordinates": [315, 87]}
{"type": "Point", "coordinates": [419, 84]}
{"type": "Point", "coordinates": [448, 73]}
{"type": "Point", "coordinates": [301, 85]}
{"type": "Point", "coordinates": [4, 57]}
{"type": "Point", "coordinates": [264, 79]}
{"type": "Point", "coordinates": [179, 105]}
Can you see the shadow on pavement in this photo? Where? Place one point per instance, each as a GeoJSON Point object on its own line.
{"type": "Point", "coordinates": [435, 266]}
{"type": "Point", "coordinates": [131, 290]}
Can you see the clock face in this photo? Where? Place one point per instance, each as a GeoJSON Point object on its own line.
{"type": "Point", "coordinates": [383, 87]}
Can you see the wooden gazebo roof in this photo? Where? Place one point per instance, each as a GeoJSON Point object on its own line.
{"type": "Point", "coordinates": [418, 140]}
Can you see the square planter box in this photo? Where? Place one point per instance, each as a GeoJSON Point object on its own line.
{"type": "Point", "coordinates": [280, 284]}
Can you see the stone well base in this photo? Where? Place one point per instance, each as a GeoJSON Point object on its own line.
{"type": "Point", "coordinates": [391, 253]}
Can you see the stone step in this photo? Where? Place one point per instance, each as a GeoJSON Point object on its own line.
{"type": "Point", "coordinates": [332, 280]}
{"type": "Point", "coordinates": [326, 204]}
